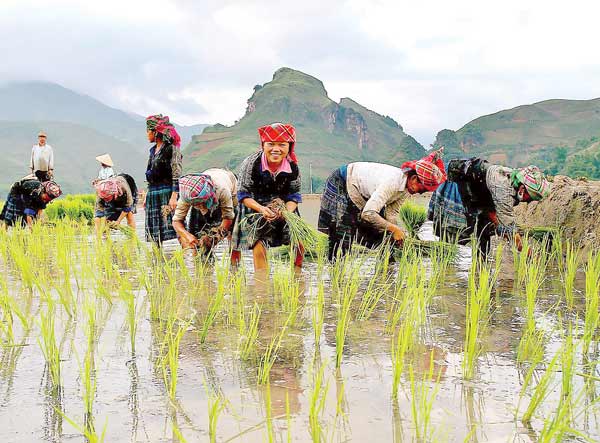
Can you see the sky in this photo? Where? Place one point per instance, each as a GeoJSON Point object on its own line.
{"type": "Point", "coordinates": [429, 65]}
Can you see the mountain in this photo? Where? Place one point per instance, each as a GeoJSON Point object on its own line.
{"type": "Point", "coordinates": [79, 128]}
{"type": "Point", "coordinates": [33, 101]}
{"type": "Point", "coordinates": [329, 134]}
{"type": "Point", "coordinates": [547, 133]}
{"type": "Point", "coordinates": [75, 148]}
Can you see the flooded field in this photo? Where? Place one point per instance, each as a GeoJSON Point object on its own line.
{"type": "Point", "coordinates": [110, 341]}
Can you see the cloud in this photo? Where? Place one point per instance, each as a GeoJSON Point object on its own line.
{"type": "Point", "coordinates": [429, 65]}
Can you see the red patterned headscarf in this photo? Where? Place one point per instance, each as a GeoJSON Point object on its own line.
{"type": "Point", "coordinates": [52, 189]}
{"type": "Point", "coordinates": [430, 170]}
{"type": "Point", "coordinates": [279, 132]}
{"type": "Point", "coordinates": [163, 126]}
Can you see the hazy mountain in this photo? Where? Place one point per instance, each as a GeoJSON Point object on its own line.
{"type": "Point", "coordinates": [79, 128]}
{"type": "Point", "coordinates": [329, 134]}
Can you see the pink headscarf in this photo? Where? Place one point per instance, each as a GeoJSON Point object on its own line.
{"type": "Point", "coordinates": [108, 189]}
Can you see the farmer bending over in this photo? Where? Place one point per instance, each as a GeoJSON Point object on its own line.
{"type": "Point", "coordinates": [211, 196]}
{"type": "Point", "coordinates": [362, 200]}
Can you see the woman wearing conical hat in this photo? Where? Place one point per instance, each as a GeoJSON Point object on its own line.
{"type": "Point", "coordinates": [106, 167]}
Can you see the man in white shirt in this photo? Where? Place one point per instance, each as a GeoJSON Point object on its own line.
{"type": "Point", "coordinates": [42, 159]}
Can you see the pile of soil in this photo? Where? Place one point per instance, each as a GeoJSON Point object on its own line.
{"type": "Point", "coordinates": [573, 206]}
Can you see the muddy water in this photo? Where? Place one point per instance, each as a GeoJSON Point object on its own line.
{"type": "Point", "coordinates": [132, 404]}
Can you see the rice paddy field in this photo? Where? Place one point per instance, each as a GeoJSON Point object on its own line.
{"type": "Point", "coordinates": [107, 339]}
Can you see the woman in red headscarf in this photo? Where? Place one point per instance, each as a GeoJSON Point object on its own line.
{"type": "Point", "coordinates": [362, 200]}
{"type": "Point", "coordinates": [266, 179]}
{"type": "Point", "coordinates": [162, 174]}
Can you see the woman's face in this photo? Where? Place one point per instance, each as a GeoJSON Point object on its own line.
{"type": "Point", "coordinates": [414, 186]}
{"type": "Point", "coordinates": [151, 135]}
{"type": "Point", "coordinates": [523, 195]}
{"type": "Point", "coordinates": [276, 151]}
{"type": "Point", "coordinates": [45, 197]}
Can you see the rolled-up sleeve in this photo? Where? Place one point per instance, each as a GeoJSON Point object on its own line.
{"type": "Point", "coordinates": [181, 211]}
{"type": "Point", "coordinates": [384, 194]}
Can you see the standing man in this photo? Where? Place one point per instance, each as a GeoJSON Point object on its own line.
{"type": "Point", "coordinates": [42, 159]}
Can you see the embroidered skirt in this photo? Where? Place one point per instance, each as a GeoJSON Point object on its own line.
{"type": "Point", "coordinates": [13, 211]}
{"type": "Point", "coordinates": [159, 221]}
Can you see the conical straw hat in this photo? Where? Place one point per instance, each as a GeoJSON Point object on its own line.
{"type": "Point", "coordinates": [105, 159]}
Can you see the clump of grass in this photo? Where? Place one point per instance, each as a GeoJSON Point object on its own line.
{"type": "Point", "coordinates": [412, 216]}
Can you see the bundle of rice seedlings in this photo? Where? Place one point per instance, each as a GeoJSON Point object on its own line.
{"type": "Point", "coordinates": [412, 216]}
{"type": "Point", "coordinates": [301, 233]}
{"type": "Point", "coordinates": [429, 247]}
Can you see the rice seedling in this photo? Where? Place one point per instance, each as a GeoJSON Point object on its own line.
{"type": "Point", "coordinates": [249, 333]}
{"type": "Point", "coordinates": [88, 384]}
{"type": "Point", "coordinates": [318, 313]}
{"type": "Point", "coordinates": [288, 417]}
{"type": "Point", "coordinates": [213, 310]}
{"type": "Point", "coordinates": [521, 260]}
{"type": "Point", "coordinates": [477, 313]}
{"type": "Point", "coordinates": [317, 398]}
{"type": "Point", "coordinates": [377, 286]}
{"type": "Point", "coordinates": [567, 374]}
{"type": "Point", "coordinates": [90, 435]}
{"type": "Point", "coordinates": [412, 216]}
{"type": "Point", "coordinates": [269, 413]}
{"type": "Point", "coordinates": [569, 270]}
{"type": "Point", "coordinates": [48, 345]}
{"type": "Point", "coordinates": [400, 345]}
{"type": "Point", "coordinates": [348, 294]}
{"type": "Point", "coordinates": [302, 234]}
{"type": "Point", "coordinates": [541, 391]}
{"type": "Point", "coordinates": [592, 299]}
{"type": "Point", "coordinates": [126, 294]}
{"type": "Point", "coordinates": [170, 361]}
{"type": "Point", "coordinates": [288, 289]}
{"type": "Point", "coordinates": [268, 359]}
{"type": "Point", "coordinates": [216, 405]}
{"type": "Point", "coordinates": [422, 399]}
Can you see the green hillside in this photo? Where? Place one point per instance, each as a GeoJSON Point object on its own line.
{"type": "Point", "coordinates": [329, 134]}
{"type": "Point", "coordinates": [75, 147]}
{"type": "Point", "coordinates": [528, 134]}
